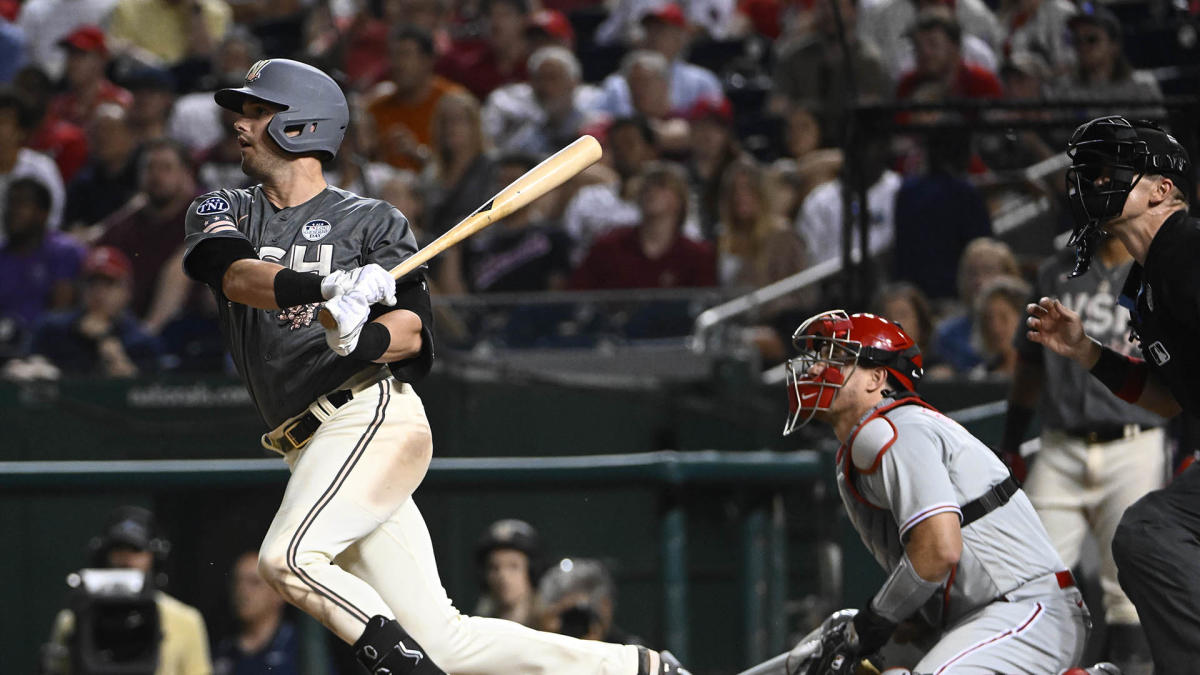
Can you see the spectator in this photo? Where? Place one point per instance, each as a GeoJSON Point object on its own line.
{"type": "Point", "coordinates": [821, 223]}
{"type": "Point", "coordinates": [86, 84]}
{"type": "Point", "coordinates": [219, 166]}
{"type": "Point", "coordinates": [937, 43]}
{"type": "Point", "coordinates": [906, 305]}
{"type": "Point", "coordinates": [267, 641]}
{"type": "Point", "coordinates": [548, 112]}
{"type": "Point", "coordinates": [166, 32]}
{"type": "Point", "coordinates": [755, 248]}
{"type": "Point", "coordinates": [152, 237]}
{"type": "Point", "coordinates": [982, 261]}
{"type": "Point", "coordinates": [482, 66]}
{"type": "Point", "coordinates": [804, 143]}
{"type": "Point", "coordinates": [1038, 26]}
{"type": "Point", "coordinates": [626, 20]}
{"type": "Point", "coordinates": [403, 191]}
{"type": "Point", "coordinates": [812, 67]}
{"type": "Point", "coordinates": [509, 559]}
{"type": "Point", "coordinates": [647, 78]}
{"type": "Point", "coordinates": [62, 141]}
{"type": "Point", "coordinates": [522, 253]}
{"type": "Point", "coordinates": [100, 338]}
{"type": "Point", "coordinates": [461, 170]}
{"type": "Point", "coordinates": [47, 22]}
{"type": "Point", "coordinates": [195, 119]}
{"type": "Point", "coordinates": [12, 45]}
{"type": "Point", "coordinates": [153, 92]}
{"type": "Point", "coordinates": [580, 601]}
{"type": "Point", "coordinates": [596, 209]}
{"type": "Point", "coordinates": [1025, 76]}
{"type": "Point", "coordinates": [352, 169]}
{"type": "Point", "coordinates": [937, 213]}
{"type": "Point", "coordinates": [109, 180]}
{"type": "Point", "coordinates": [999, 311]}
{"type": "Point", "coordinates": [131, 541]}
{"type": "Point", "coordinates": [713, 145]}
{"type": "Point", "coordinates": [1102, 70]}
{"type": "Point", "coordinates": [38, 266]}
{"type": "Point", "coordinates": [886, 23]}
{"type": "Point", "coordinates": [402, 108]}
{"type": "Point", "coordinates": [654, 253]}
{"type": "Point", "coordinates": [17, 119]}
{"type": "Point", "coordinates": [666, 34]}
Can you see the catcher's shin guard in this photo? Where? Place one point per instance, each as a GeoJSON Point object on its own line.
{"type": "Point", "coordinates": [386, 649]}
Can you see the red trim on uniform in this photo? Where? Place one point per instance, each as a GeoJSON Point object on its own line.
{"type": "Point", "coordinates": [946, 594]}
{"type": "Point", "coordinates": [1065, 579]}
{"type": "Point", "coordinates": [1037, 611]}
{"type": "Point", "coordinates": [929, 513]}
{"type": "Point", "coordinates": [844, 449]}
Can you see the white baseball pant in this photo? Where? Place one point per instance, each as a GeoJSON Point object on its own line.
{"type": "Point", "coordinates": [1077, 487]}
{"type": "Point", "coordinates": [348, 543]}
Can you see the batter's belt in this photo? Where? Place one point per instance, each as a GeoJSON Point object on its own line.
{"type": "Point", "coordinates": [296, 432]}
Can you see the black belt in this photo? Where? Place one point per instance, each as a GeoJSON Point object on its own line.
{"type": "Point", "coordinates": [991, 500]}
{"type": "Point", "coordinates": [1105, 434]}
{"type": "Point", "coordinates": [300, 432]}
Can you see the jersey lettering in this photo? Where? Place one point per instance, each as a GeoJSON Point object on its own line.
{"type": "Point", "coordinates": [323, 265]}
{"type": "Point", "coordinates": [298, 259]}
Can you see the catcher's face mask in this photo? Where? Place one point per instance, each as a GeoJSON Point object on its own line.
{"type": "Point", "coordinates": [816, 375]}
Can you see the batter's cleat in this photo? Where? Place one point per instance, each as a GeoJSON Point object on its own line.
{"type": "Point", "coordinates": [651, 662]}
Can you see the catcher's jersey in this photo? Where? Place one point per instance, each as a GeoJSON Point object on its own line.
{"type": "Point", "coordinates": [281, 354]}
{"type": "Point", "coordinates": [918, 463]}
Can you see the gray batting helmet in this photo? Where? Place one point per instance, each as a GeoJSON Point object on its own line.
{"type": "Point", "coordinates": [313, 103]}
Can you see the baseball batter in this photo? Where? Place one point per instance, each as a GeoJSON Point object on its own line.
{"type": "Point", "coordinates": [348, 544]}
{"type": "Point", "coordinates": [937, 509]}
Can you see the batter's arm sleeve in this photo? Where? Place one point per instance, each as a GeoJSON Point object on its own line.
{"type": "Point", "coordinates": [212, 240]}
{"type": "Point", "coordinates": [911, 480]}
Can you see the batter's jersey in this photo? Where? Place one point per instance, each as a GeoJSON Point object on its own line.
{"type": "Point", "coordinates": [906, 462]}
{"type": "Point", "coordinates": [1164, 300]}
{"type": "Point", "coordinates": [1075, 400]}
{"type": "Point", "coordinates": [282, 354]}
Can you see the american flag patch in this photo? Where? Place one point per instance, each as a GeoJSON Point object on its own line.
{"type": "Point", "coordinates": [219, 226]}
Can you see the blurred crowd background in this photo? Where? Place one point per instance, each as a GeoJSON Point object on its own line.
{"type": "Point", "coordinates": [900, 156]}
{"type": "Point", "coordinates": [734, 150]}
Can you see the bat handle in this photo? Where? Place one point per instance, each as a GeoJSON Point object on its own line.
{"type": "Point", "coordinates": [326, 319]}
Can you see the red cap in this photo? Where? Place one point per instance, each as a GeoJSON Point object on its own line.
{"type": "Point", "coordinates": [9, 9]}
{"type": "Point", "coordinates": [106, 261]}
{"type": "Point", "coordinates": [707, 108]}
{"type": "Point", "coordinates": [669, 13]}
{"type": "Point", "coordinates": [553, 23]}
{"type": "Point", "coordinates": [86, 38]}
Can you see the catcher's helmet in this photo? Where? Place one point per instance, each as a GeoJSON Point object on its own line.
{"type": "Point", "coordinates": [313, 103]}
{"type": "Point", "coordinates": [1109, 155]}
{"type": "Point", "coordinates": [838, 340]}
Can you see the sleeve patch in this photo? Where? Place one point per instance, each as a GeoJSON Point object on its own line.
{"type": "Point", "coordinates": [870, 442]}
{"type": "Point", "coordinates": [212, 205]}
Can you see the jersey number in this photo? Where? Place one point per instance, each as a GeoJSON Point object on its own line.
{"type": "Point", "coordinates": [298, 259]}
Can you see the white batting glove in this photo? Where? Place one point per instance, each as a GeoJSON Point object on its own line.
{"type": "Point", "coordinates": [351, 311]}
{"type": "Point", "coordinates": [375, 282]}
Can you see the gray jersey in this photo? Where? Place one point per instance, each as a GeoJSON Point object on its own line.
{"type": "Point", "coordinates": [906, 462]}
{"type": "Point", "coordinates": [1074, 399]}
{"type": "Point", "coordinates": [281, 354]}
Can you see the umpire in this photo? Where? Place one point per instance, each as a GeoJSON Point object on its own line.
{"type": "Point", "coordinates": [1132, 180]}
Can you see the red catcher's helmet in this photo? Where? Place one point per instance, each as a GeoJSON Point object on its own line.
{"type": "Point", "coordinates": [837, 340]}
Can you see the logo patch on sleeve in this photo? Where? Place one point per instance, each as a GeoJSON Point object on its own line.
{"type": "Point", "coordinates": [316, 229]}
{"type": "Point", "coordinates": [212, 205]}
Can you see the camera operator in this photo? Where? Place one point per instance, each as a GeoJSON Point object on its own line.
{"type": "Point", "coordinates": [131, 541]}
{"type": "Point", "coordinates": [579, 598]}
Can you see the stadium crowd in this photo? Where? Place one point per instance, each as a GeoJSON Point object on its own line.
{"type": "Point", "coordinates": [722, 122]}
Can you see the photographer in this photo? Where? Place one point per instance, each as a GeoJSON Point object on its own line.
{"type": "Point", "coordinates": [579, 598]}
{"type": "Point", "coordinates": [130, 541]}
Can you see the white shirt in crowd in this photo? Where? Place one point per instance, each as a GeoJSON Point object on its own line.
{"type": "Point", "coordinates": [597, 209]}
{"type": "Point", "coordinates": [819, 222]}
{"type": "Point", "coordinates": [45, 22]}
{"type": "Point", "coordinates": [689, 84]}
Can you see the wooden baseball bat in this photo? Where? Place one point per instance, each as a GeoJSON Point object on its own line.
{"type": "Point", "coordinates": [538, 181]}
